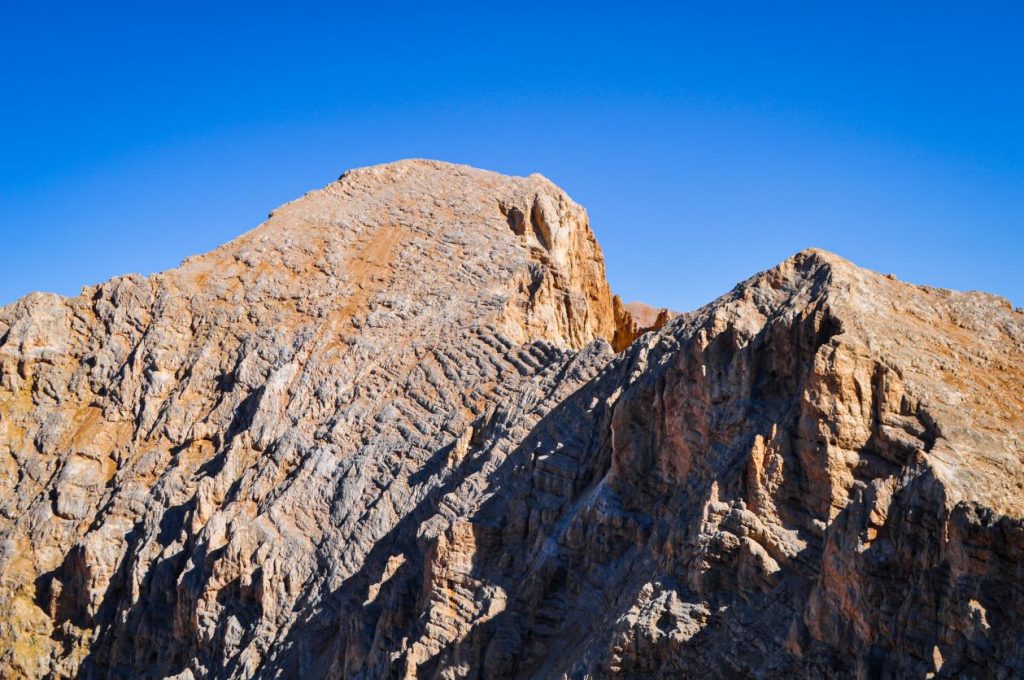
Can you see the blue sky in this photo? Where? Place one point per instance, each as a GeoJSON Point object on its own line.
{"type": "Point", "coordinates": [707, 140]}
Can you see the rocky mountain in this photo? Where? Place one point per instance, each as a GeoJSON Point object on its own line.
{"type": "Point", "coordinates": [403, 429]}
{"type": "Point", "coordinates": [645, 318]}
{"type": "Point", "coordinates": [649, 317]}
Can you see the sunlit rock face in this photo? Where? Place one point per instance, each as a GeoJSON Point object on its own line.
{"type": "Point", "coordinates": [403, 429]}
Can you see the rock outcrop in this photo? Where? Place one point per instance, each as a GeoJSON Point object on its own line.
{"type": "Point", "coordinates": [647, 317]}
{"type": "Point", "coordinates": [403, 429]}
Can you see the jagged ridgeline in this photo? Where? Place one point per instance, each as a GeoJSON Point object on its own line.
{"type": "Point", "coordinates": [403, 429]}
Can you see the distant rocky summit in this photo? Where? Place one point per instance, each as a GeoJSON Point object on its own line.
{"type": "Point", "coordinates": [648, 318]}
{"type": "Point", "coordinates": [403, 429]}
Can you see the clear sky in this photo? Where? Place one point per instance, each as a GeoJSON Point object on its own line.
{"type": "Point", "coordinates": [708, 140]}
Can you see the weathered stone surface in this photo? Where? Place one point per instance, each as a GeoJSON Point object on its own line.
{"type": "Point", "coordinates": [809, 477]}
{"type": "Point", "coordinates": [647, 317]}
{"type": "Point", "coordinates": [385, 434]}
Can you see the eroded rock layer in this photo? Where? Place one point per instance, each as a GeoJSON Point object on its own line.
{"type": "Point", "coordinates": [386, 434]}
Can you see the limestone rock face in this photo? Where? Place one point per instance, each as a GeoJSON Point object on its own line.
{"type": "Point", "coordinates": [649, 317]}
{"type": "Point", "coordinates": [387, 434]}
{"type": "Point", "coordinates": [817, 475]}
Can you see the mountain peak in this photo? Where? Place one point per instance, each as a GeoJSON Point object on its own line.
{"type": "Point", "coordinates": [383, 434]}
{"type": "Point", "coordinates": [514, 251]}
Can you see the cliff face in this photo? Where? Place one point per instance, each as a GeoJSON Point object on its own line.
{"type": "Point", "coordinates": [385, 434]}
{"type": "Point", "coordinates": [811, 477]}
